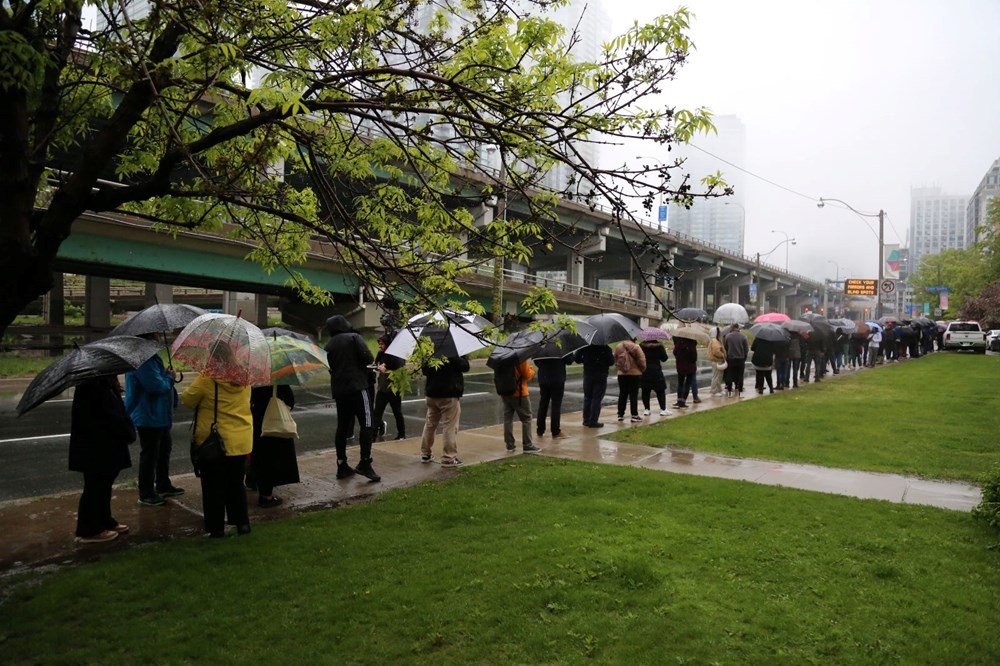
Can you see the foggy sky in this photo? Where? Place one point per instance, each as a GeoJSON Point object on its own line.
{"type": "Point", "coordinates": [855, 99]}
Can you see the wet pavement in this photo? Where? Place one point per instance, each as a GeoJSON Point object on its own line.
{"type": "Point", "coordinates": [38, 531]}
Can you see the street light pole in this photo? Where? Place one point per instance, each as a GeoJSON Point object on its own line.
{"type": "Point", "coordinates": [760, 292]}
{"type": "Point", "coordinates": [790, 241]}
{"type": "Point", "coordinates": [881, 247]}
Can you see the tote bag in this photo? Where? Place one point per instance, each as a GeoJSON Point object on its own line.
{"type": "Point", "coordinates": [278, 421]}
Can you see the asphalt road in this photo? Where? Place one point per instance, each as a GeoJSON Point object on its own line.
{"type": "Point", "coordinates": [33, 448]}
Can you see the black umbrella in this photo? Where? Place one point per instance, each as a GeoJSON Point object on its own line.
{"type": "Point", "coordinates": [159, 318]}
{"type": "Point", "coordinates": [564, 341]}
{"type": "Point", "coordinates": [691, 314]}
{"type": "Point", "coordinates": [797, 326]}
{"type": "Point", "coordinates": [277, 332]}
{"type": "Point", "coordinates": [515, 348]}
{"type": "Point", "coordinates": [110, 356]}
{"type": "Point", "coordinates": [770, 332]}
{"type": "Point", "coordinates": [612, 327]}
{"type": "Point", "coordinates": [818, 322]}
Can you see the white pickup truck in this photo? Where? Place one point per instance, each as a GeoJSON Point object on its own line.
{"type": "Point", "coordinates": [965, 335]}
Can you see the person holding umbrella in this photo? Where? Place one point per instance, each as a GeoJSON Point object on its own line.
{"type": "Point", "coordinates": [518, 403]}
{"type": "Point", "coordinates": [98, 447]}
{"type": "Point", "coordinates": [737, 349]}
{"type": "Point", "coordinates": [350, 362]}
{"type": "Point", "coordinates": [225, 405]}
{"type": "Point", "coordinates": [551, 388]}
{"type": "Point", "coordinates": [686, 357]}
{"type": "Point", "coordinates": [630, 362]}
{"type": "Point", "coordinates": [596, 359]}
{"type": "Point", "coordinates": [652, 381]}
{"type": "Point", "coordinates": [445, 386]}
{"type": "Point", "coordinates": [150, 397]}
{"type": "Point", "coordinates": [717, 355]}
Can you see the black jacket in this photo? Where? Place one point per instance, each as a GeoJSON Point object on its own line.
{"type": "Point", "coordinates": [101, 429]}
{"type": "Point", "coordinates": [596, 359]}
{"type": "Point", "coordinates": [652, 376]}
{"type": "Point", "coordinates": [446, 381]}
{"type": "Point", "coordinates": [552, 370]}
{"type": "Point", "coordinates": [349, 358]}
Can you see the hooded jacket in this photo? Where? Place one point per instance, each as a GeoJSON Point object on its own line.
{"type": "Point", "coordinates": [446, 381]}
{"type": "Point", "coordinates": [638, 358]}
{"type": "Point", "coordinates": [149, 395]}
{"type": "Point", "coordinates": [349, 358]}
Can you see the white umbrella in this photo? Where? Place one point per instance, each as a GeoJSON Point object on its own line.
{"type": "Point", "coordinates": [731, 313]}
{"type": "Point", "coordinates": [452, 334]}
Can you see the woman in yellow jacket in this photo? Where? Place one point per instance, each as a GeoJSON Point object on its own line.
{"type": "Point", "coordinates": [222, 491]}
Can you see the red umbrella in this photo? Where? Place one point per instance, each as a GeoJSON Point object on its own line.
{"type": "Point", "coordinates": [771, 317]}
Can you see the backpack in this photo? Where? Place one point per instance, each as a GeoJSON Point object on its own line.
{"type": "Point", "coordinates": [623, 361]}
{"type": "Point", "coordinates": [505, 379]}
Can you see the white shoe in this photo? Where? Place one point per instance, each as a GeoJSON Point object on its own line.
{"type": "Point", "coordinates": [645, 412]}
{"type": "Point", "coordinates": [665, 412]}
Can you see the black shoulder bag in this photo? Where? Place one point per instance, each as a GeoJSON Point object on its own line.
{"type": "Point", "coordinates": [212, 450]}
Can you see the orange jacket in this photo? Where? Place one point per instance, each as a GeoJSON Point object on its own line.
{"type": "Point", "coordinates": [524, 373]}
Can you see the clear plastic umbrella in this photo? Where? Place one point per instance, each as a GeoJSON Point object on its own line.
{"type": "Point", "coordinates": [731, 313]}
{"type": "Point", "coordinates": [225, 347]}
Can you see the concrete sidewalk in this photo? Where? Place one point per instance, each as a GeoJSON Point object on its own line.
{"type": "Point", "coordinates": [39, 531]}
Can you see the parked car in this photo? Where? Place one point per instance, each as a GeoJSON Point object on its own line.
{"type": "Point", "coordinates": [993, 340]}
{"type": "Point", "coordinates": [965, 335]}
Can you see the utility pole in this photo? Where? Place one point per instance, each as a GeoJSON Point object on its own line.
{"type": "Point", "coordinates": [760, 292]}
{"type": "Point", "coordinates": [881, 263]}
{"type": "Point", "coordinates": [498, 261]}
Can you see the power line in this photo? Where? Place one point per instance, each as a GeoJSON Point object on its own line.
{"type": "Point", "coordinates": [751, 173]}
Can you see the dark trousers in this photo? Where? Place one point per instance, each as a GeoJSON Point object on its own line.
{"type": "Point", "coordinates": [628, 391]}
{"type": "Point", "coordinates": [734, 374]}
{"type": "Point", "coordinates": [395, 401]}
{"type": "Point", "coordinates": [351, 407]}
{"type": "Point", "coordinates": [155, 446]}
{"type": "Point", "coordinates": [763, 377]}
{"type": "Point", "coordinates": [594, 387]}
{"type": "Point", "coordinates": [684, 381]}
{"type": "Point", "coordinates": [550, 395]}
{"type": "Point", "coordinates": [661, 396]}
{"type": "Point", "coordinates": [93, 515]}
{"type": "Point", "coordinates": [223, 494]}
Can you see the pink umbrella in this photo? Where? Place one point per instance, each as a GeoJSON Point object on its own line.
{"type": "Point", "coordinates": [773, 317]}
{"type": "Point", "coordinates": [649, 334]}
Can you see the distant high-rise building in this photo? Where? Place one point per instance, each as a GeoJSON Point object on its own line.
{"type": "Point", "coordinates": [979, 202]}
{"type": "Point", "coordinates": [719, 221]}
{"type": "Point", "coordinates": [937, 222]}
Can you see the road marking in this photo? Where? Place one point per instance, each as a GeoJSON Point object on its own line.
{"type": "Point", "coordinates": [29, 439]}
{"type": "Point", "coordinates": [467, 395]}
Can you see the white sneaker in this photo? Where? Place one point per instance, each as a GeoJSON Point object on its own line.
{"type": "Point", "coordinates": [645, 413]}
{"type": "Point", "coordinates": [665, 412]}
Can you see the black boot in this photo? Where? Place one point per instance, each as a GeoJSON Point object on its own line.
{"type": "Point", "coordinates": [364, 468]}
{"type": "Point", "coordinates": [344, 470]}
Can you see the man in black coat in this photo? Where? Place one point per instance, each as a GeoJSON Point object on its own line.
{"type": "Point", "coordinates": [350, 371]}
{"type": "Point", "coordinates": [445, 386]}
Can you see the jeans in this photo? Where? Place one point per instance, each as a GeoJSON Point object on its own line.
{"type": "Point", "coordinates": [594, 387]}
{"type": "Point", "coordinates": [155, 446]}
{"type": "Point", "coordinates": [683, 386]}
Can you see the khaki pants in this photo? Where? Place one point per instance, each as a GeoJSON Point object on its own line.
{"type": "Point", "coordinates": [446, 412]}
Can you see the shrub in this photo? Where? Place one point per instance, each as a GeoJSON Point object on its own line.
{"type": "Point", "coordinates": [989, 508]}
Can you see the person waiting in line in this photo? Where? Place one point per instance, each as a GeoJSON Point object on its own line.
{"type": "Point", "coordinates": [595, 359]}
{"type": "Point", "coordinates": [717, 355]}
{"type": "Point", "coordinates": [737, 350]}
{"type": "Point", "coordinates": [794, 352]}
{"type": "Point", "coordinates": [223, 497]}
{"type": "Point", "coordinates": [350, 363]}
{"type": "Point", "coordinates": [385, 394]}
{"type": "Point", "coordinates": [149, 400]}
{"type": "Point", "coordinates": [444, 390]}
{"type": "Point", "coordinates": [652, 381]}
{"type": "Point", "coordinates": [519, 404]}
{"type": "Point", "coordinates": [273, 460]}
{"type": "Point", "coordinates": [763, 363]}
{"type": "Point", "coordinates": [100, 433]}
{"type": "Point", "coordinates": [781, 364]}
{"type": "Point", "coordinates": [551, 378]}
{"type": "Point", "coordinates": [686, 358]}
{"type": "Point", "coordinates": [630, 363]}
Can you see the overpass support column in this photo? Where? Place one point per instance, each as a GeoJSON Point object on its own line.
{"type": "Point", "coordinates": [252, 307]}
{"type": "Point", "coordinates": [574, 270]}
{"type": "Point", "coordinates": [158, 293]}
{"type": "Point", "coordinates": [97, 302]}
{"type": "Point", "coordinates": [54, 313]}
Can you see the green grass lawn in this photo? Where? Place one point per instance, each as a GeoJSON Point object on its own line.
{"type": "Point", "coordinates": [533, 561]}
{"type": "Point", "coordinates": [936, 417]}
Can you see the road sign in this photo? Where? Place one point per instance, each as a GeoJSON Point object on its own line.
{"type": "Point", "coordinates": [937, 290]}
{"type": "Point", "coordinates": [888, 286]}
{"type": "Point", "coordinates": [753, 291]}
{"type": "Point", "coordinates": [662, 214]}
{"type": "Point", "coordinates": [859, 287]}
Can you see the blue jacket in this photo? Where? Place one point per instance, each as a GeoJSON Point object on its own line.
{"type": "Point", "coordinates": [149, 395]}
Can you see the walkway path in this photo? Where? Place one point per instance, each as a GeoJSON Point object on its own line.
{"type": "Point", "coordinates": [39, 531]}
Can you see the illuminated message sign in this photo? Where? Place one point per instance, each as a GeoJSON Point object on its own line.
{"type": "Point", "coordinates": [860, 287]}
